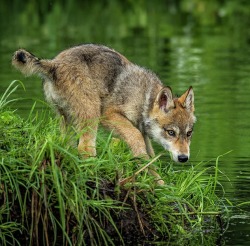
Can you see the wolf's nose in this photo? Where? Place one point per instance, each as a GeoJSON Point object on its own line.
{"type": "Point", "coordinates": [182, 158]}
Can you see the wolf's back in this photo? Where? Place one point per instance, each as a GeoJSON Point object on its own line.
{"type": "Point", "coordinates": [29, 64]}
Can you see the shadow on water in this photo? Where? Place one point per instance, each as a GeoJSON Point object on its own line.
{"type": "Point", "coordinates": [203, 43]}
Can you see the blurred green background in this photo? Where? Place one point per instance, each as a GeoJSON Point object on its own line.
{"type": "Point", "coordinates": [204, 43]}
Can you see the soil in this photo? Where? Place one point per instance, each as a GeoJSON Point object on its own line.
{"type": "Point", "coordinates": [133, 223]}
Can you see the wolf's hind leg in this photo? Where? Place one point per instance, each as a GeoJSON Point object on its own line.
{"type": "Point", "coordinates": [87, 142]}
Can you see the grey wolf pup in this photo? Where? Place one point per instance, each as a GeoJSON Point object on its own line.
{"type": "Point", "coordinates": [91, 84]}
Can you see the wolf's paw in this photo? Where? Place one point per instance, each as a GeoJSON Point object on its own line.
{"type": "Point", "coordinates": [160, 182]}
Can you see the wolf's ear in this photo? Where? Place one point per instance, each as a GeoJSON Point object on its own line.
{"type": "Point", "coordinates": [187, 99]}
{"type": "Point", "coordinates": [164, 99]}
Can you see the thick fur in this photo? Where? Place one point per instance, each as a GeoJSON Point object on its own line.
{"type": "Point", "coordinates": [88, 84]}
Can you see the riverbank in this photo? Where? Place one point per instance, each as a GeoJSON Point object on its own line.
{"type": "Point", "coordinates": [50, 196]}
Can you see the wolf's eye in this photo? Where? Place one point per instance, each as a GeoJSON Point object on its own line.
{"type": "Point", "coordinates": [171, 133]}
{"type": "Point", "coordinates": [189, 133]}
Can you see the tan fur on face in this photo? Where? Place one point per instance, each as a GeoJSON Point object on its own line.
{"type": "Point", "coordinates": [174, 115]}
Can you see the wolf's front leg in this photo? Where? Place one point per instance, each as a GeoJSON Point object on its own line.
{"type": "Point", "coordinates": [133, 137]}
{"type": "Point", "coordinates": [127, 131]}
{"type": "Point", "coordinates": [149, 147]}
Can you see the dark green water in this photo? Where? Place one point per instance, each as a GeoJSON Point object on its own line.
{"type": "Point", "coordinates": [205, 44]}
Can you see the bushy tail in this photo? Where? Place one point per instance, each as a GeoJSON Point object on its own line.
{"type": "Point", "coordinates": [28, 64]}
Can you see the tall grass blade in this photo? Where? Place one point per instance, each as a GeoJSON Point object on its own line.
{"type": "Point", "coordinates": [4, 98]}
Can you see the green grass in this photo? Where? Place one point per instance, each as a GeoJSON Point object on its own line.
{"type": "Point", "coordinates": [50, 196]}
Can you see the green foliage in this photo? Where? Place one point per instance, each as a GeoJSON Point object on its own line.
{"type": "Point", "coordinates": [48, 195]}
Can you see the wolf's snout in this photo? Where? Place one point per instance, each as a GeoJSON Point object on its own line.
{"type": "Point", "coordinates": [182, 158]}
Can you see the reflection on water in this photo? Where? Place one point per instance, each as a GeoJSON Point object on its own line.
{"type": "Point", "coordinates": [183, 48]}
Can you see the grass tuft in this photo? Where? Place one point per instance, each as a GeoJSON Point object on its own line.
{"type": "Point", "coordinates": [50, 196]}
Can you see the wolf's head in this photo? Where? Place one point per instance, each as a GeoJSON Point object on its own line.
{"type": "Point", "coordinates": [170, 122]}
